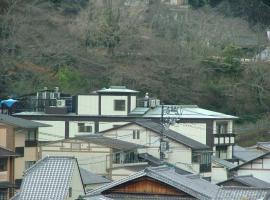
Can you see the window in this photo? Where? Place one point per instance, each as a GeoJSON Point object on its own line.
{"type": "Point", "coordinates": [116, 157]}
{"type": "Point", "coordinates": [31, 135]}
{"type": "Point", "coordinates": [70, 192]}
{"type": "Point", "coordinates": [136, 134]}
{"type": "Point", "coordinates": [82, 128]}
{"type": "Point", "coordinates": [119, 105]}
{"type": "Point", "coordinates": [3, 195]}
{"type": "Point", "coordinates": [221, 152]}
{"type": "Point", "coordinates": [222, 128]}
{"type": "Point", "coordinates": [3, 164]}
{"type": "Point", "coordinates": [19, 151]}
{"type": "Point", "coordinates": [29, 164]}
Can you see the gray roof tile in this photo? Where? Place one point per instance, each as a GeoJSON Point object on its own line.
{"type": "Point", "coordinates": [222, 162]}
{"type": "Point", "coordinates": [18, 122]}
{"type": "Point", "coordinates": [245, 154]}
{"type": "Point", "coordinates": [91, 178]}
{"type": "Point", "coordinates": [48, 179]}
{"type": "Point", "coordinates": [248, 180]}
{"type": "Point", "coordinates": [242, 193]}
{"type": "Point", "coordinates": [190, 184]}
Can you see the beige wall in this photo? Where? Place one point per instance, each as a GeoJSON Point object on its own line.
{"type": "Point", "coordinates": [92, 157]}
{"type": "Point", "coordinates": [88, 104]}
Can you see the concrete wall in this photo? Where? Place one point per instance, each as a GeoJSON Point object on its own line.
{"type": "Point", "coordinates": [88, 104]}
{"type": "Point", "coordinates": [92, 157]}
{"type": "Point", "coordinates": [195, 131]}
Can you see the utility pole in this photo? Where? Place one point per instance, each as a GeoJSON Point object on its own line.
{"type": "Point", "coordinates": [165, 122]}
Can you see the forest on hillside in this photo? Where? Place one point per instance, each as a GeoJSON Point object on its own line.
{"type": "Point", "coordinates": [181, 55]}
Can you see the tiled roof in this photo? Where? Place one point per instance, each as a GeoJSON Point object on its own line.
{"type": "Point", "coordinates": [91, 178]}
{"type": "Point", "coordinates": [190, 184]}
{"type": "Point", "coordinates": [254, 158]}
{"type": "Point", "coordinates": [248, 180]}
{"type": "Point", "coordinates": [158, 128]}
{"type": "Point", "coordinates": [242, 193]}
{"type": "Point", "coordinates": [109, 142]}
{"type": "Point", "coordinates": [49, 178]}
{"type": "Point", "coordinates": [153, 161]}
{"type": "Point", "coordinates": [223, 163]}
{"type": "Point", "coordinates": [245, 154]}
{"type": "Point", "coordinates": [187, 112]}
{"type": "Point", "coordinates": [18, 122]}
{"type": "Point", "coordinates": [264, 145]}
{"type": "Point", "coordinates": [6, 152]}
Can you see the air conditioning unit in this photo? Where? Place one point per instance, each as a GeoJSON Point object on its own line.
{"type": "Point", "coordinates": [61, 103]}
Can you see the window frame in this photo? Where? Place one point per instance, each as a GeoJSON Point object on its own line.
{"type": "Point", "coordinates": [4, 164]}
{"type": "Point", "coordinates": [121, 106]}
{"type": "Point", "coordinates": [82, 128]}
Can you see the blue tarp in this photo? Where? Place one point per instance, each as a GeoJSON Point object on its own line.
{"type": "Point", "coordinates": [9, 102]}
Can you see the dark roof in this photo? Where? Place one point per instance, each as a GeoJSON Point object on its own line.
{"type": "Point", "coordinates": [6, 184]}
{"type": "Point", "coordinates": [245, 154]}
{"type": "Point", "coordinates": [19, 122]}
{"type": "Point", "coordinates": [247, 180]}
{"type": "Point", "coordinates": [223, 163]}
{"type": "Point", "coordinates": [241, 193]}
{"type": "Point", "coordinates": [190, 184]}
{"type": "Point", "coordinates": [156, 127]}
{"type": "Point", "coordinates": [101, 140]}
{"type": "Point", "coordinates": [153, 161]}
{"type": "Point", "coordinates": [91, 178]}
{"type": "Point", "coordinates": [258, 157]}
{"type": "Point", "coordinates": [6, 152]}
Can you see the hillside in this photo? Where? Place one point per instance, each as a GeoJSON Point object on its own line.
{"type": "Point", "coordinates": [184, 56]}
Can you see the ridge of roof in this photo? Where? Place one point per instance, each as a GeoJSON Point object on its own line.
{"type": "Point", "coordinates": [23, 123]}
{"type": "Point", "coordinates": [192, 185]}
{"type": "Point", "coordinates": [260, 156]}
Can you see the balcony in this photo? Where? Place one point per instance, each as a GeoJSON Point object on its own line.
{"type": "Point", "coordinates": [224, 139]}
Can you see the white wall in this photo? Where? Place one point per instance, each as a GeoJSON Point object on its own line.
{"type": "Point", "coordinates": [178, 153]}
{"type": "Point", "coordinates": [218, 174]}
{"type": "Point", "coordinates": [196, 131]}
{"type": "Point", "coordinates": [230, 125]}
{"type": "Point", "coordinates": [107, 105]}
{"type": "Point", "coordinates": [133, 100]}
{"type": "Point", "coordinates": [88, 104]}
{"type": "Point", "coordinates": [55, 132]}
{"type": "Point", "coordinates": [76, 184]}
